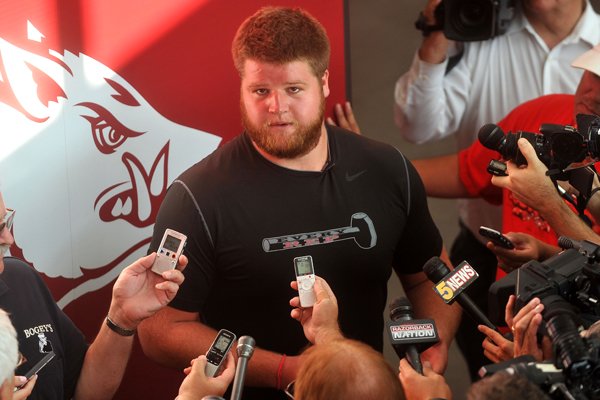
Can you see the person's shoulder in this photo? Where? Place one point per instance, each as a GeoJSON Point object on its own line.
{"type": "Point", "coordinates": [553, 107]}
{"type": "Point", "coordinates": [352, 141]}
{"type": "Point", "coordinates": [353, 149]}
{"type": "Point", "coordinates": [17, 270]}
{"type": "Point", "coordinates": [219, 160]}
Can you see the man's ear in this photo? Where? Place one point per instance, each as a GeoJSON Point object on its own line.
{"type": "Point", "coordinates": [325, 83]}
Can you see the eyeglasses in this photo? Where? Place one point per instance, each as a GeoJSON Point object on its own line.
{"type": "Point", "coordinates": [289, 389]}
{"type": "Point", "coordinates": [7, 221]}
{"type": "Point", "coordinates": [22, 360]}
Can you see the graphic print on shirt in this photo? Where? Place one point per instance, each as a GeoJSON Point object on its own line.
{"type": "Point", "coordinates": [361, 230]}
{"type": "Point", "coordinates": [44, 344]}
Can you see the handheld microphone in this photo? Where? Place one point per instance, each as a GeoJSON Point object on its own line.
{"type": "Point", "coordinates": [450, 285]}
{"type": "Point", "coordinates": [245, 349]}
{"type": "Point", "coordinates": [409, 337]}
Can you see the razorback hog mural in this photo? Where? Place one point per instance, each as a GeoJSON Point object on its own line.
{"type": "Point", "coordinates": [81, 131]}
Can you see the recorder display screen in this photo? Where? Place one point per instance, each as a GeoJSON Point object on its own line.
{"type": "Point", "coordinates": [222, 343]}
{"type": "Point", "coordinates": [303, 266]}
{"type": "Point", "coordinates": [171, 243]}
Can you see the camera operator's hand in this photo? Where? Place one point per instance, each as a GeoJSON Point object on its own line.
{"type": "Point", "coordinates": [344, 117]}
{"type": "Point", "coordinates": [529, 183]}
{"type": "Point", "coordinates": [527, 248]}
{"type": "Point", "coordinates": [525, 327]}
{"type": "Point", "coordinates": [320, 322]}
{"type": "Point", "coordinates": [434, 47]}
{"type": "Point", "coordinates": [430, 385]}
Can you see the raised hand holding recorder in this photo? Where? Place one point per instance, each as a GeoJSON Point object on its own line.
{"type": "Point", "coordinates": [320, 322]}
{"type": "Point", "coordinates": [197, 384]}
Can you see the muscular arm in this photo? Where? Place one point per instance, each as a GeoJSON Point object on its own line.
{"type": "Point", "coordinates": [440, 175]}
{"type": "Point", "coordinates": [427, 304]}
{"type": "Point", "coordinates": [173, 338]}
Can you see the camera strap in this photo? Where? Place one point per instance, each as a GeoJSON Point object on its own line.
{"type": "Point", "coordinates": [421, 24]}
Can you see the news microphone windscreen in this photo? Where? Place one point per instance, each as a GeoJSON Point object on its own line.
{"type": "Point", "coordinates": [435, 269]}
{"type": "Point", "coordinates": [400, 308]}
{"type": "Point", "coordinates": [491, 136]}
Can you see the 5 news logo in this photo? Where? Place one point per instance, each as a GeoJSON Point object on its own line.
{"type": "Point", "coordinates": [455, 282]}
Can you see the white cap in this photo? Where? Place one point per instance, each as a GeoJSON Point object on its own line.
{"type": "Point", "coordinates": [590, 60]}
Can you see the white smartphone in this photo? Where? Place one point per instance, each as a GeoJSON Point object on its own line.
{"type": "Point", "coordinates": [305, 276]}
{"type": "Point", "coordinates": [167, 255]}
{"type": "Point", "coordinates": [217, 352]}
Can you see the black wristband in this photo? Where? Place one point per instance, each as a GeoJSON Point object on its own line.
{"type": "Point", "coordinates": [117, 329]}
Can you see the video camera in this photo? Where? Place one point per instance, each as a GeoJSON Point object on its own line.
{"type": "Point", "coordinates": [470, 20]}
{"type": "Point", "coordinates": [568, 285]}
{"type": "Point", "coordinates": [573, 374]}
{"type": "Point", "coordinates": [557, 147]}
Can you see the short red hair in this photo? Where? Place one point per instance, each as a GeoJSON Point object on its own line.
{"type": "Point", "coordinates": [346, 369]}
{"type": "Point", "coordinates": [281, 35]}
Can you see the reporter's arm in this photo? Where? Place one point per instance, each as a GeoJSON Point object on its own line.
{"type": "Point", "coordinates": [137, 294]}
{"type": "Point", "coordinates": [527, 248]}
{"type": "Point", "coordinates": [429, 103]}
{"type": "Point", "coordinates": [430, 385]}
{"type": "Point", "coordinates": [196, 384]}
{"type": "Point", "coordinates": [320, 322]}
{"type": "Point", "coordinates": [440, 176]}
{"type": "Point", "coordinates": [530, 185]}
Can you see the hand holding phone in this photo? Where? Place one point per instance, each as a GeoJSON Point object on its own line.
{"type": "Point", "coordinates": [217, 353]}
{"type": "Point", "coordinates": [167, 255]}
{"type": "Point", "coordinates": [38, 367]}
{"type": "Point", "coordinates": [305, 276]}
{"type": "Point", "coordinates": [496, 237]}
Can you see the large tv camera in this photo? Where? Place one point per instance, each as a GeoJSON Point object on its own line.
{"type": "Point", "coordinates": [568, 285]}
{"type": "Point", "coordinates": [557, 147]}
{"type": "Point", "coordinates": [573, 374]}
{"type": "Point", "coordinates": [470, 20]}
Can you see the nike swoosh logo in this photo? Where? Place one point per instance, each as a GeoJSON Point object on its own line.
{"type": "Point", "coordinates": [350, 178]}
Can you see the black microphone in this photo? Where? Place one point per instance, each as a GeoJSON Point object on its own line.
{"type": "Point", "coordinates": [401, 310]}
{"type": "Point", "coordinates": [491, 136]}
{"type": "Point", "coordinates": [437, 271]}
{"type": "Point", "coordinates": [245, 349]}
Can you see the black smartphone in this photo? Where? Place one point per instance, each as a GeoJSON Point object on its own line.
{"type": "Point", "coordinates": [496, 237]}
{"type": "Point", "coordinates": [38, 367]}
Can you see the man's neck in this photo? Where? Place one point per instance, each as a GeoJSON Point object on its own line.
{"type": "Point", "coordinates": [555, 25]}
{"type": "Point", "coordinates": [314, 160]}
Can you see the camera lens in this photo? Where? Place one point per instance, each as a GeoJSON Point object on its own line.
{"type": "Point", "coordinates": [472, 16]}
{"type": "Point", "coordinates": [473, 13]}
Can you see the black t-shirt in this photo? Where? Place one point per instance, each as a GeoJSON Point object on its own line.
{"type": "Point", "coordinates": [247, 218]}
{"type": "Point", "coordinates": [41, 326]}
